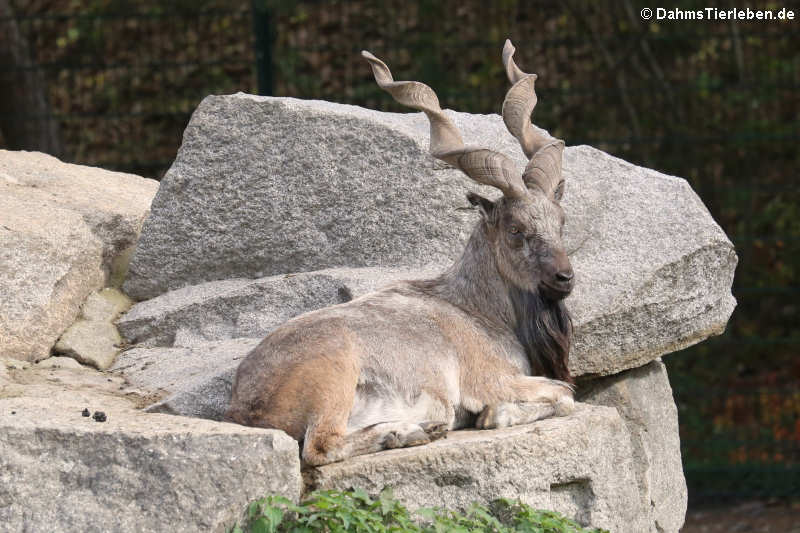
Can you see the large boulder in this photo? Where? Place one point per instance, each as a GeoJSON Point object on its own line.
{"type": "Point", "coordinates": [267, 186]}
{"type": "Point", "coordinates": [580, 465]}
{"type": "Point", "coordinates": [271, 186]}
{"type": "Point", "coordinates": [63, 229]}
{"type": "Point", "coordinates": [61, 471]}
{"type": "Point", "coordinates": [112, 205]}
{"type": "Point", "coordinates": [643, 397]}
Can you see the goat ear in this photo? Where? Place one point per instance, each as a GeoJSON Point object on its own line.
{"type": "Point", "coordinates": [485, 205]}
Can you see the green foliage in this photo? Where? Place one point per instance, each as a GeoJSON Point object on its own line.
{"type": "Point", "coordinates": [356, 511]}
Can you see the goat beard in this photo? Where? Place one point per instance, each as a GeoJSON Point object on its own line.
{"type": "Point", "coordinates": [544, 328]}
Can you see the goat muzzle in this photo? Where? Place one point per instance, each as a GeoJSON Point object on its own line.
{"type": "Point", "coordinates": [560, 286]}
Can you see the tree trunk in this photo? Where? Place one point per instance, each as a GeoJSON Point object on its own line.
{"type": "Point", "coordinates": [25, 117]}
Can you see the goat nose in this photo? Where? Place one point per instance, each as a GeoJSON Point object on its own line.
{"type": "Point", "coordinates": [564, 275]}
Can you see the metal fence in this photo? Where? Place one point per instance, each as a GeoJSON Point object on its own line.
{"type": "Point", "coordinates": [716, 103]}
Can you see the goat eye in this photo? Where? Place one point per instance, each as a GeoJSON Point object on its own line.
{"type": "Point", "coordinates": [513, 229]}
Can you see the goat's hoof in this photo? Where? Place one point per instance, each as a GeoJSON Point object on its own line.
{"type": "Point", "coordinates": [483, 419]}
{"type": "Point", "coordinates": [435, 430]}
{"type": "Point", "coordinates": [404, 437]}
{"type": "Point", "coordinates": [564, 406]}
{"type": "Point", "coordinates": [493, 417]}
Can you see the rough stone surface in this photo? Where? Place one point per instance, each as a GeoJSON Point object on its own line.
{"type": "Point", "coordinates": [60, 228]}
{"type": "Point", "coordinates": [193, 381]}
{"type": "Point", "coordinates": [60, 471]}
{"type": "Point", "coordinates": [49, 261]}
{"type": "Point", "coordinates": [581, 465]}
{"type": "Point", "coordinates": [59, 362]}
{"type": "Point", "coordinates": [112, 204]}
{"type": "Point", "coordinates": [91, 342]}
{"type": "Point", "coordinates": [93, 339]}
{"type": "Point", "coordinates": [264, 186]}
{"type": "Point", "coordinates": [643, 397]}
{"type": "Point", "coordinates": [234, 308]}
{"type": "Point", "coordinates": [269, 186]}
{"type": "Point", "coordinates": [106, 305]}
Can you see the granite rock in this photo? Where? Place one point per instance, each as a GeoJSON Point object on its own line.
{"type": "Point", "coordinates": [228, 309]}
{"type": "Point", "coordinates": [643, 397]}
{"type": "Point", "coordinates": [91, 342]}
{"type": "Point", "coordinates": [267, 186]}
{"type": "Point", "coordinates": [93, 339]}
{"type": "Point", "coordinates": [580, 465]}
{"type": "Point", "coordinates": [63, 229]}
{"type": "Point", "coordinates": [191, 381]}
{"type": "Point", "coordinates": [61, 471]}
{"type": "Point", "coordinates": [112, 204]}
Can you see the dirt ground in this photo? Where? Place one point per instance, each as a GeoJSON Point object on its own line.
{"type": "Point", "coordinates": [750, 517]}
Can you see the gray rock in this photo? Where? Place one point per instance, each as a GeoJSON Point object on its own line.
{"type": "Point", "coordinates": [654, 271]}
{"type": "Point", "coordinates": [270, 186]}
{"type": "Point", "coordinates": [643, 397]}
{"type": "Point", "coordinates": [193, 381]}
{"type": "Point", "coordinates": [580, 465]}
{"type": "Point", "coordinates": [264, 186]}
{"type": "Point", "coordinates": [112, 204]}
{"type": "Point", "coordinates": [91, 342]}
{"type": "Point", "coordinates": [50, 262]}
{"type": "Point", "coordinates": [59, 362]}
{"type": "Point", "coordinates": [105, 305]}
{"type": "Point", "coordinates": [60, 471]}
{"type": "Point", "coordinates": [234, 308]}
{"type": "Point", "coordinates": [61, 227]}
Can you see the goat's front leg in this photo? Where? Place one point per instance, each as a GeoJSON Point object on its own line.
{"type": "Point", "coordinates": [529, 399]}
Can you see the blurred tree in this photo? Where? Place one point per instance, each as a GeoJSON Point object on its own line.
{"type": "Point", "coordinates": [23, 92]}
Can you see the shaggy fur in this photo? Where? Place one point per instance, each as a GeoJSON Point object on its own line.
{"type": "Point", "coordinates": [401, 366]}
{"type": "Point", "coordinates": [544, 329]}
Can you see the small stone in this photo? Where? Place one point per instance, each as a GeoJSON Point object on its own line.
{"type": "Point", "coordinates": [59, 362]}
{"type": "Point", "coordinates": [91, 342]}
{"type": "Point", "coordinates": [86, 412]}
{"type": "Point", "coordinates": [105, 305]}
{"type": "Point", "coordinates": [99, 416]}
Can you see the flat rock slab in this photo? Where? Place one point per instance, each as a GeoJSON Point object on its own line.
{"type": "Point", "coordinates": [643, 397]}
{"type": "Point", "coordinates": [581, 465]}
{"type": "Point", "coordinates": [61, 471]}
{"type": "Point", "coordinates": [62, 230]}
{"type": "Point", "coordinates": [228, 309]}
{"type": "Point", "coordinates": [190, 381]}
{"type": "Point", "coordinates": [265, 186]}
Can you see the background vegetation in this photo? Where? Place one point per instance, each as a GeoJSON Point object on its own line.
{"type": "Point", "coordinates": [716, 102]}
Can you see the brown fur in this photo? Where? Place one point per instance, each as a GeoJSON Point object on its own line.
{"type": "Point", "coordinates": [400, 366]}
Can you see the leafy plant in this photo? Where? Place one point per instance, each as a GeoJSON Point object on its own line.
{"type": "Point", "coordinates": [356, 511]}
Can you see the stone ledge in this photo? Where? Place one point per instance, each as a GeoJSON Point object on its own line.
{"type": "Point", "coordinates": [61, 471]}
{"type": "Point", "coordinates": [581, 465]}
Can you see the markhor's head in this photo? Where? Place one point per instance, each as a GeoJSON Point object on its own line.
{"type": "Point", "coordinates": [524, 227]}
